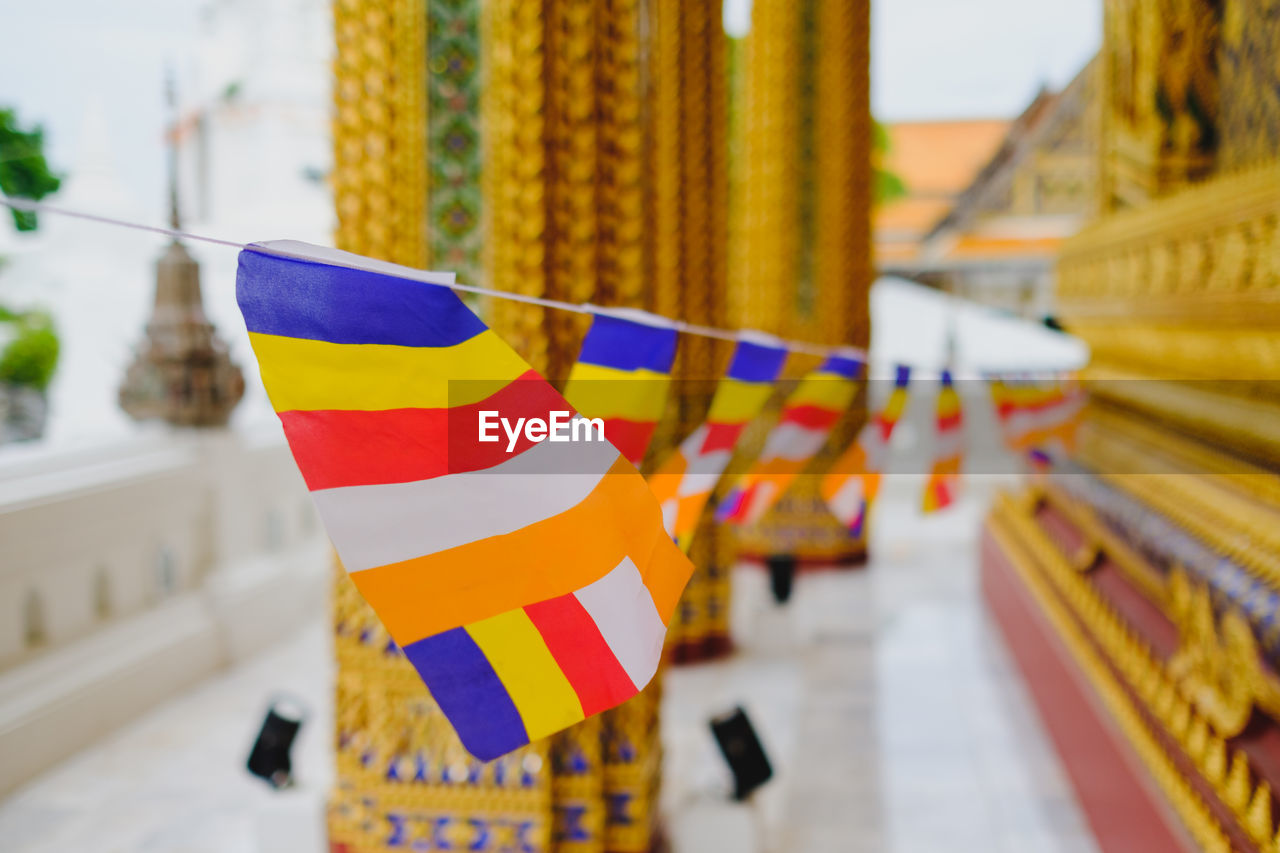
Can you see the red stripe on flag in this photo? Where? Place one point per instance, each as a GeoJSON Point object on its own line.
{"type": "Point", "coordinates": [721, 437]}
{"type": "Point", "coordinates": [582, 653]}
{"type": "Point", "coordinates": [336, 447]}
{"type": "Point", "coordinates": [630, 437]}
{"type": "Point", "coordinates": [811, 417]}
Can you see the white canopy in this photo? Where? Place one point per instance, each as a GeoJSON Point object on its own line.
{"type": "Point", "coordinates": [916, 325]}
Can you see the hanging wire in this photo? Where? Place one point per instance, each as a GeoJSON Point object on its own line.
{"type": "Point", "coordinates": [555, 304]}
{"type": "Point", "coordinates": [803, 347]}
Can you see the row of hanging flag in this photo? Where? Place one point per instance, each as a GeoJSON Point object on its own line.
{"type": "Point", "coordinates": [530, 578]}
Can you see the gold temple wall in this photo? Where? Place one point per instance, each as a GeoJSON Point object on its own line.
{"type": "Point", "coordinates": [1249, 107]}
{"type": "Point", "coordinates": [1160, 108]}
{"type": "Point", "coordinates": [1176, 289]}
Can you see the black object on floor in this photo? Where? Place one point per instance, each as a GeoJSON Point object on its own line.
{"type": "Point", "coordinates": [741, 747]}
{"type": "Point", "coordinates": [782, 576]}
{"type": "Point", "coordinates": [270, 758]}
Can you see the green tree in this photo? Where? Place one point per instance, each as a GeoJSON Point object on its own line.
{"type": "Point", "coordinates": [31, 354]}
{"type": "Point", "coordinates": [24, 173]}
{"type": "Point", "coordinates": [888, 186]}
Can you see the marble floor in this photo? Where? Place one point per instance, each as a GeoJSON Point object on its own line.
{"type": "Point", "coordinates": [885, 698]}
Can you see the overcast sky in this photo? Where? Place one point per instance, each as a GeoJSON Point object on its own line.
{"type": "Point", "coordinates": [931, 58]}
{"type": "Point", "coordinates": [969, 58]}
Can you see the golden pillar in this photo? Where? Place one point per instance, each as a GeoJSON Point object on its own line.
{"type": "Point", "coordinates": [403, 778]}
{"type": "Point", "coordinates": [690, 203]}
{"type": "Point", "coordinates": [585, 139]}
{"type": "Point", "coordinates": [800, 246]}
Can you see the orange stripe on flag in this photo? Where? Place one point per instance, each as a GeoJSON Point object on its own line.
{"type": "Point", "coordinates": [424, 596]}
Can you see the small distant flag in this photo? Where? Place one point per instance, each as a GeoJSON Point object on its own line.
{"type": "Point", "coordinates": [942, 487]}
{"type": "Point", "coordinates": [686, 479]}
{"type": "Point", "coordinates": [622, 376]}
{"type": "Point", "coordinates": [808, 416]}
{"type": "Point", "coordinates": [529, 582]}
{"type": "Point", "coordinates": [1038, 417]}
{"type": "Point", "coordinates": [854, 481]}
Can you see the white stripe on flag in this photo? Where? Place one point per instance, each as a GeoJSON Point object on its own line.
{"type": "Point", "coordinates": [376, 525]}
{"type": "Point", "coordinates": [623, 610]}
{"type": "Point", "coordinates": [793, 442]}
{"type": "Point", "coordinates": [703, 473]}
{"type": "Point", "coordinates": [846, 503]}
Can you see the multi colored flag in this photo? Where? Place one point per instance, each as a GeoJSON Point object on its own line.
{"type": "Point", "coordinates": [527, 578]}
{"type": "Point", "coordinates": [1037, 416]}
{"type": "Point", "coordinates": [686, 479]}
{"type": "Point", "coordinates": [808, 415]}
{"type": "Point", "coordinates": [854, 481]}
{"type": "Point", "coordinates": [622, 376]}
{"type": "Point", "coordinates": [942, 487]}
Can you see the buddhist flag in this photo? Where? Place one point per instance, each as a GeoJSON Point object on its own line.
{"type": "Point", "coordinates": [622, 376]}
{"type": "Point", "coordinates": [686, 479]}
{"type": "Point", "coordinates": [808, 415]}
{"type": "Point", "coordinates": [854, 481]}
{"type": "Point", "coordinates": [517, 559]}
{"type": "Point", "coordinates": [1038, 415]}
{"type": "Point", "coordinates": [943, 485]}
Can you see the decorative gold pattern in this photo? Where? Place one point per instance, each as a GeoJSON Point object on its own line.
{"type": "Point", "coordinates": [379, 129]}
{"type": "Point", "coordinates": [1249, 118]}
{"type": "Point", "coordinates": [1160, 103]}
{"type": "Point", "coordinates": [767, 252]}
{"type": "Point", "coordinates": [1099, 640]}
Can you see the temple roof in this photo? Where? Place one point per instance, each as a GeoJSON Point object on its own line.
{"type": "Point", "coordinates": [989, 191]}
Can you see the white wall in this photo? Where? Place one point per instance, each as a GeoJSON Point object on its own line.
{"type": "Point", "coordinates": [131, 571]}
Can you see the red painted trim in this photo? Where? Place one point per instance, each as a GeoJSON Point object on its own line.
{"type": "Point", "coordinates": [1113, 790]}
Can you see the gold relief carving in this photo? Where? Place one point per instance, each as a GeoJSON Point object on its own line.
{"type": "Point", "coordinates": [1193, 265]}
{"type": "Point", "coordinates": [1233, 258]}
{"type": "Point", "coordinates": [1217, 241]}
{"type": "Point", "coordinates": [1266, 269]}
{"type": "Point", "coordinates": [1163, 266]}
{"type": "Point", "coordinates": [1216, 664]}
{"type": "Point", "coordinates": [1249, 121]}
{"type": "Point", "coordinates": [1102, 542]}
{"type": "Point", "coordinates": [1098, 641]}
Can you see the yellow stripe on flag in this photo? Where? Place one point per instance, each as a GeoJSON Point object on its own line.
{"type": "Point", "coordinates": [606, 392]}
{"type": "Point", "coordinates": [828, 392]}
{"type": "Point", "coordinates": [302, 374]}
{"type": "Point", "coordinates": [736, 401]}
{"type": "Point", "coordinates": [544, 697]}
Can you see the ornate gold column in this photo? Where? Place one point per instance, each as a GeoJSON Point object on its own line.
{"type": "Point", "coordinates": [403, 779]}
{"type": "Point", "coordinates": [800, 246]}
{"type": "Point", "coordinates": [569, 212]}
{"type": "Point", "coordinates": [379, 129]}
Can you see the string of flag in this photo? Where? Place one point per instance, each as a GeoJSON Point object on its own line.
{"type": "Point", "coordinates": [501, 530]}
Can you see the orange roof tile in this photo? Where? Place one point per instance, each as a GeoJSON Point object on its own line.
{"type": "Point", "coordinates": [909, 216]}
{"type": "Point", "coordinates": [970, 247]}
{"type": "Point", "coordinates": [937, 161]}
{"type": "Point", "coordinates": [942, 157]}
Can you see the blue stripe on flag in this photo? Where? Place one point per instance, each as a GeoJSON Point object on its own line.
{"type": "Point", "coordinates": [321, 302]}
{"type": "Point", "coordinates": [756, 363]}
{"type": "Point", "coordinates": [469, 692]}
{"type": "Point", "coordinates": [849, 368]}
{"type": "Point", "coordinates": [626, 345]}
